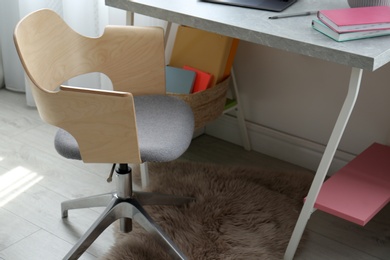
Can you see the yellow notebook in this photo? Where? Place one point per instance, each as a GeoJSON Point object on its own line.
{"type": "Point", "coordinates": [206, 51]}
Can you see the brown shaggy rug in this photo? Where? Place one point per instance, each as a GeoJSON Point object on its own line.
{"type": "Point", "coordinates": [239, 212]}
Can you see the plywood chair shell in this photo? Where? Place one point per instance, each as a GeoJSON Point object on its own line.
{"type": "Point", "coordinates": [101, 121]}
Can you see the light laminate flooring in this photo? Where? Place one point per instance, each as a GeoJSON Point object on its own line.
{"type": "Point", "coordinates": [34, 180]}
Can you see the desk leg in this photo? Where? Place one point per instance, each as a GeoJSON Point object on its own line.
{"type": "Point", "coordinates": [308, 207]}
{"type": "Point", "coordinates": [240, 114]}
{"type": "Point", "coordinates": [167, 33]}
{"type": "Point", "coordinates": [129, 18]}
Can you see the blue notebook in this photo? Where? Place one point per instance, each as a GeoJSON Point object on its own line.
{"type": "Point", "coordinates": [179, 80]}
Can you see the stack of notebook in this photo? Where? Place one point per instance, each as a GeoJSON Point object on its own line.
{"type": "Point", "coordinates": [353, 23]}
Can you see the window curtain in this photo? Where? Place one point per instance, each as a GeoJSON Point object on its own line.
{"type": "Point", "coordinates": [88, 17]}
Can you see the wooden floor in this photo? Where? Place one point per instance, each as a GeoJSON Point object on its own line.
{"type": "Point", "coordinates": [34, 180]}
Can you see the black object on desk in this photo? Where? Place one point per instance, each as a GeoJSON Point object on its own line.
{"type": "Point", "coordinates": [269, 5]}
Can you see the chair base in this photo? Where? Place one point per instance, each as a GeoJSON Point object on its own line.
{"type": "Point", "coordinates": [126, 208]}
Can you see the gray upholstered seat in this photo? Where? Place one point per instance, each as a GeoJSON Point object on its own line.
{"type": "Point", "coordinates": [165, 125]}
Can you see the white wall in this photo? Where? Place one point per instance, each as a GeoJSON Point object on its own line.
{"type": "Point", "coordinates": [291, 103]}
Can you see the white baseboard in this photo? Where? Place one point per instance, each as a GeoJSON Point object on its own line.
{"type": "Point", "coordinates": [279, 145]}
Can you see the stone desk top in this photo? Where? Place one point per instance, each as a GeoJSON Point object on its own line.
{"type": "Point", "coordinates": [290, 34]}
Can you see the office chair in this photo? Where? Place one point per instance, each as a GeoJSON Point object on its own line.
{"type": "Point", "coordinates": [134, 123]}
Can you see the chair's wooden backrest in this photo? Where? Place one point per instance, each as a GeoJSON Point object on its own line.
{"type": "Point", "coordinates": [102, 122]}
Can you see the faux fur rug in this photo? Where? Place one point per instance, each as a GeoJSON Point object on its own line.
{"type": "Point", "coordinates": [239, 213]}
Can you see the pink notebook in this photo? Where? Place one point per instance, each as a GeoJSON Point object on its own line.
{"type": "Point", "coordinates": [356, 19]}
{"type": "Point", "coordinates": [202, 80]}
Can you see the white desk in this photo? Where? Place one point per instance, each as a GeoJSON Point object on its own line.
{"type": "Point", "coordinates": [290, 34]}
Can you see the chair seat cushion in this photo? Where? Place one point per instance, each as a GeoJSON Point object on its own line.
{"type": "Point", "coordinates": [165, 127]}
